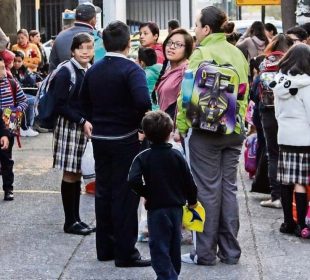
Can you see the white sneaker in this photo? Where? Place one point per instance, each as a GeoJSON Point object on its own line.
{"type": "Point", "coordinates": [28, 132]}
{"type": "Point", "coordinates": [186, 258]}
{"type": "Point", "coordinates": [272, 204]}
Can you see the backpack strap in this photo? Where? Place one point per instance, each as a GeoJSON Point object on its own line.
{"type": "Point", "coordinates": [13, 87]}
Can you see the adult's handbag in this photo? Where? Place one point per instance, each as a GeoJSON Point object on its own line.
{"type": "Point", "coordinates": [88, 166]}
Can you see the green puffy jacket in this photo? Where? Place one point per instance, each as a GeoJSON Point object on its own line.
{"type": "Point", "coordinates": [215, 47]}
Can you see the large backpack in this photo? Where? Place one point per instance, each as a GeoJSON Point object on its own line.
{"type": "Point", "coordinates": [269, 68]}
{"type": "Point", "coordinates": [46, 99]}
{"type": "Point", "coordinates": [214, 99]}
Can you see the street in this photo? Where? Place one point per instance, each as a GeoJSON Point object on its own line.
{"type": "Point", "coordinates": [34, 246]}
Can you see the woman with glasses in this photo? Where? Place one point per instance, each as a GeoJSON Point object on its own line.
{"type": "Point", "coordinates": [177, 48]}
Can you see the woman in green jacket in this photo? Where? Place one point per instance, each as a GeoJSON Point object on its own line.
{"type": "Point", "coordinates": [214, 157]}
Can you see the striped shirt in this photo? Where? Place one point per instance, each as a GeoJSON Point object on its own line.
{"type": "Point", "coordinates": [6, 96]}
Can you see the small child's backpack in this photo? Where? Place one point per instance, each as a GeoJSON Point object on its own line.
{"type": "Point", "coordinates": [46, 100]}
{"type": "Point", "coordinates": [213, 104]}
{"type": "Point", "coordinates": [269, 68]}
{"type": "Point", "coordinates": [250, 153]}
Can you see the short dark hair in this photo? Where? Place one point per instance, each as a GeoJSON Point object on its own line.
{"type": "Point", "coordinates": [79, 39]}
{"type": "Point", "coordinates": [116, 36]}
{"type": "Point", "coordinates": [147, 55]}
{"type": "Point", "coordinates": [296, 60]}
{"type": "Point", "coordinates": [173, 24]}
{"type": "Point", "coordinates": [214, 17]}
{"type": "Point", "coordinates": [157, 126]}
{"type": "Point", "coordinates": [19, 54]}
{"type": "Point", "coordinates": [152, 26]}
{"type": "Point", "coordinates": [270, 27]}
{"type": "Point", "coordinates": [299, 32]}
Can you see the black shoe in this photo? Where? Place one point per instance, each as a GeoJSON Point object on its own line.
{"type": "Point", "coordinates": [287, 228]}
{"type": "Point", "coordinates": [135, 263]}
{"type": "Point", "coordinates": [8, 195]}
{"type": "Point", "coordinates": [105, 258]}
{"type": "Point", "coordinates": [84, 225]}
{"type": "Point", "coordinates": [76, 228]}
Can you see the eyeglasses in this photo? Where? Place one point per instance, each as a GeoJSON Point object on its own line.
{"type": "Point", "coordinates": [177, 45]}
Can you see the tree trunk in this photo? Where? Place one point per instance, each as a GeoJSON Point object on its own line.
{"type": "Point", "coordinates": [9, 16]}
{"type": "Point", "coordinates": [288, 8]}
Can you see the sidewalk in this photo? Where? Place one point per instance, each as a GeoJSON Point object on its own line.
{"type": "Point", "coordinates": [33, 245]}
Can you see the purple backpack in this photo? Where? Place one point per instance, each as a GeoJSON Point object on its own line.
{"type": "Point", "coordinates": [250, 153]}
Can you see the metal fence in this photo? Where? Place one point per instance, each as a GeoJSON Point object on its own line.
{"type": "Point", "coordinates": [159, 11]}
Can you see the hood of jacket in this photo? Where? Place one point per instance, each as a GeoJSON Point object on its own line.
{"type": "Point", "coordinates": [285, 86]}
{"type": "Point", "coordinates": [260, 45]}
{"type": "Point", "coordinates": [154, 69]}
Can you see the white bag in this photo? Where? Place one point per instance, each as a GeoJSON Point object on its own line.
{"type": "Point", "coordinates": [88, 164]}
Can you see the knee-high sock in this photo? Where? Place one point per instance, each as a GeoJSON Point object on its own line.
{"type": "Point", "coordinates": [68, 201]}
{"type": "Point", "coordinates": [287, 199]}
{"type": "Point", "coordinates": [301, 207]}
{"type": "Point", "coordinates": [77, 200]}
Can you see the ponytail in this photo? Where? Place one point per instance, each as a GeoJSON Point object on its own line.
{"type": "Point", "coordinates": [162, 72]}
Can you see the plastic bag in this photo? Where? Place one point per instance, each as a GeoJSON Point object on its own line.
{"type": "Point", "coordinates": [88, 168]}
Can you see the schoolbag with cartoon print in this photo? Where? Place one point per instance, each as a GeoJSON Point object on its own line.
{"type": "Point", "coordinates": [269, 68]}
{"type": "Point", "coordinates": [214, 104]}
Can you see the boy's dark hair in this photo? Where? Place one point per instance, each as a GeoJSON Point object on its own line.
{"type": "Point", "coordinates": [299, 32]}
{"type": "Point", "coordinates": [173, 24]}
{"type": "Point", "coordinates": [147, 55]}
{"type": "Point", "coordinates": [152, 26]}
{"type": "Point", "coordinates": [270, 27]}
{"type": "Point", "coordinates": [19, 54]}
{"type": "Point", "coordinates": [296, 60]}
{"type": "Point", "coordinates": [157, 126]}
{"type": "Point", "coordinates": [116, 36]}
{"type": "Point", "coordinates": [214, 17]}
{"type": "Point", "coordinates": [79, 39]}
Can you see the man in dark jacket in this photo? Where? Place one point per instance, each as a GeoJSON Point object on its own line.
{"type": "Point", "coordinates": [114, 97]}
{"type": "Point", "coordinates": [85, 21]}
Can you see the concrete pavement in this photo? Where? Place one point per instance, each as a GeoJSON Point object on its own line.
{"type": "Point", "coordinates": [33, 245]}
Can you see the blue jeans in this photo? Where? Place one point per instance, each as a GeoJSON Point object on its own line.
{"type": "Point", "coordinates": [165, 241]}
{"type": "Point", "coordinates": [29, 113]}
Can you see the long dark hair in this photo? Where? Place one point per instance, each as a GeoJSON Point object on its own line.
{"type": "Point", "coordinates": [258, 29]}
{"type": "Point", "coordinates": [188, 51]}
{"type": "Point", "coordinates": [296, 60]}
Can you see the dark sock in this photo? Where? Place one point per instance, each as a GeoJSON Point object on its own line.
{"type": "Point", "coordinates": [301, 207]}
{"type": "Point", "coordinates": [286, 200]}
{"type": "Point", "coordinates": [68, 201]}
{"type": "Point", "coordinates": [77, 200]}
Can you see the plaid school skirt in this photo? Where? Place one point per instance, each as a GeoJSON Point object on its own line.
{"type": "Point", "coordinates": [294, 168]}
{"type": "Point", "coordinates": [69, 145]}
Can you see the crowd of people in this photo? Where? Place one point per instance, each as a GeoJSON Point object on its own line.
{"type": "Point", "coordinates": [133, 109]}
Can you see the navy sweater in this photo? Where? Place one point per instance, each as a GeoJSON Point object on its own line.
{"type": "Point", "coordinates": [114, 96]}
{"type": "Point", "coordinates": [168, 180]}
{"type": "Point", "coordinates": [67, 104]}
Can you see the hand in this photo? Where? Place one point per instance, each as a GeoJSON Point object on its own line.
{"type": "Point", "coordinates": [193, 206]}
{"type": "Point", "coordinates": [4, 142]}
{"type": "Point", "coordinates": [141, 136]}
{"type": "Point", "coordinates": [177, 136]}
{"type": "Point", "coordinates": [88, 129]}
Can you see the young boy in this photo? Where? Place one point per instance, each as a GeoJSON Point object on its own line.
{"type": "Point", "coordinates": [147, 59]}
{"type": "Point", "coordinates": [26, 79]}
{"type": "Point", "coordinates": [7, 101]}
{"type": "Point", "coordinates": [168, 185]}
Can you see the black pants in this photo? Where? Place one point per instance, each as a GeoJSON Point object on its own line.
{"type": "Point", "coordinates": [115, 204]}
{"type": "Point", "coordinates": [165, 241]}
{"type": "Point", "coordinates": [270, 127]}
{"type": "Point", "coordinates": [7, 166]}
